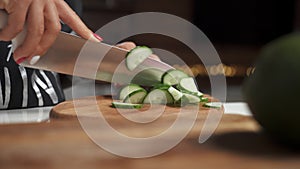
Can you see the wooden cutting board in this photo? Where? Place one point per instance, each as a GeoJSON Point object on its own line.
{"type": "Point", "coordinates": [145, 122]}
{"type": "Point", "coordinates": [103, 103]}
{"type": "Point", "coordinates": [62, 143]}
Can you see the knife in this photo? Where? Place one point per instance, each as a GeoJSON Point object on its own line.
{"type": "Point", "coordinates": [73, 55]}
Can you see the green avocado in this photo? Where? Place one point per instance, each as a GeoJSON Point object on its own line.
{"type": "Point", "coordinates": [273, 90]}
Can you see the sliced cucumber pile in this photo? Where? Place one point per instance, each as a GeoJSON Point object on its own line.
{"type": "Point", "coordinates": [179, 94]}
{"type": "Point", "coordinates": [173, 87]}
{"type": "Point", "coordinates": [136, 56]}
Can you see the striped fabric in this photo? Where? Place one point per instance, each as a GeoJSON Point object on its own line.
{"type": "Point", "coordinates": [23, 87]}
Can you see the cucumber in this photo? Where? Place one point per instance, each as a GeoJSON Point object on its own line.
{"type": "Point", "coordinates": [188, 85]}
{"type": "Point", "coordinates": [181, 102]}
{"type": "Point", "coordinates": [148, 77]}
{"type": "Point", "coordinates": [125, 91]}
{"type": "Point", "coordinates": [204, 99]}
{"type": "Point", "coordinates": [158, 96]}
{"type": "Point", "coordinates": [173, 77]}
{"type": "Point", "coordinates": [126, 105]}
{"type": "Point", "coordinates": [133, 95]}
{"type": "Point", "coordinates": [136, 56]}
{"type": "Point", "coordinates": [192, 98]}
{"type": "Point", "coordinates": [161, 86]}
{"type": "Point", "coordinates": [216, 105]}
{"type": "Point", "coordinates": [199, 94]}
{"type": "Point", "coordinates": [136, 97]}
{"type": "Point", "coordinates": [176, 94]}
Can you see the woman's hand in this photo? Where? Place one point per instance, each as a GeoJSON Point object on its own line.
{"type": "Point", "coordinates": [43, 25]}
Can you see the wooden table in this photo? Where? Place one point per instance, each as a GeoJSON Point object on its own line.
{"type": "Point", "coordinates": [62, 143]}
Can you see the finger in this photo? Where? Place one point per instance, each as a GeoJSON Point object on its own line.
{"type": "Point", "coordinates": [126, 45]}
{"type": "Point", "coordinates": [15, 24]}
{"type": "Point", "coordinates": [69, 17]}
{"type": "Point", "coordinates": [35, 30]}
{"type": "Point", "coordinates": [52, 28]}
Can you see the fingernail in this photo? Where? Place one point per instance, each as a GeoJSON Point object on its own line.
{"type": "Point", "coordinates": [34, 59]}
{"type": "Point", "coordinates": [22, 59]}
{"type": "Point", "coordinates": [98, 37]}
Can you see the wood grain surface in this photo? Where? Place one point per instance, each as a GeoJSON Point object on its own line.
{"type": "Point", "coordinates": [62, 143]}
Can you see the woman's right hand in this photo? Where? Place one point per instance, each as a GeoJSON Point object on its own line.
{"type": "Point", "coordinates": [43, 25]}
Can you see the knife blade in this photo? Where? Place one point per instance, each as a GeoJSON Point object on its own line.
{"type": "Point", "coordinates": [76, 56]}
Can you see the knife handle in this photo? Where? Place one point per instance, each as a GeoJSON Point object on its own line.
{"type": "Point", "coordinates": [19, 39]}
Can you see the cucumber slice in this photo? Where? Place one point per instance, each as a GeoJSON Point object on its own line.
{"type": "Point", "coordinates": [204, 99]}
{"type": "Point", "coordinates": [216, 105]}
{"type": "Point", "coordinates": [148, 77]}
{"type": "Point", "coordinates": [161, 86]}
{"type": "Point", "coordinates": [125, 91]}
{"type": "Point", "coordinates": [126, 105]}
{"type": "Point", "coordinates": [192, 98]}
{"type": "Point", "coordinates": [198, 93]}
{"type": "Point", "coordinates": [136, 97]}
{"type": "Point", "coordinates": [158, 96]}
{"type": "Point", "coordinates": [188, 85]}
{"type": "Point", "coordinates": [173, 77]}
{"type": "Point", "coordinates": [177, 95]}
{"type": "Point", "coordinates": [181, 102]}
{"type": "Point", "coordinates": [136, 56]}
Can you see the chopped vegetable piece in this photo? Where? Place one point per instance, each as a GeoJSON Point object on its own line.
{"type": "Point", "coordinates": [161, 86]}
{"type": "Point", "coordinates": [204, 99]}
{"type": "Point", "coordinates": [216, 105]}
{"type": "Point", "coordinates": [126, 105]}
{"type": "Point", "coordinates": [173, 77]}
{"type": "Point", "coordinates": [136, 97]}
{"type": "Point", "coordinates": [175, 93]}
{"type": "Point", "coordinates": [158, 96]}
{"type": "Point", "coordinates": [136, 56]}
{"type": "Point", "coordinates": [192, 98]}
{"type": "Point", "coordinates": [129, 89]}
{"type": "Point", "coordinates": [188, 85]}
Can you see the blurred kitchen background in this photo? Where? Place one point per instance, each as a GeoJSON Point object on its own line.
{"type": "Point", "coordinates": [237, 29]}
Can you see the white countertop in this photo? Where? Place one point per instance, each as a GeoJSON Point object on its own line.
{"type": "Point", "coordinates": [40, 114]}
{"type": "Point", "coordinates": [240, 108]}
{"type": "Point", "coordinates": [31, 115]}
